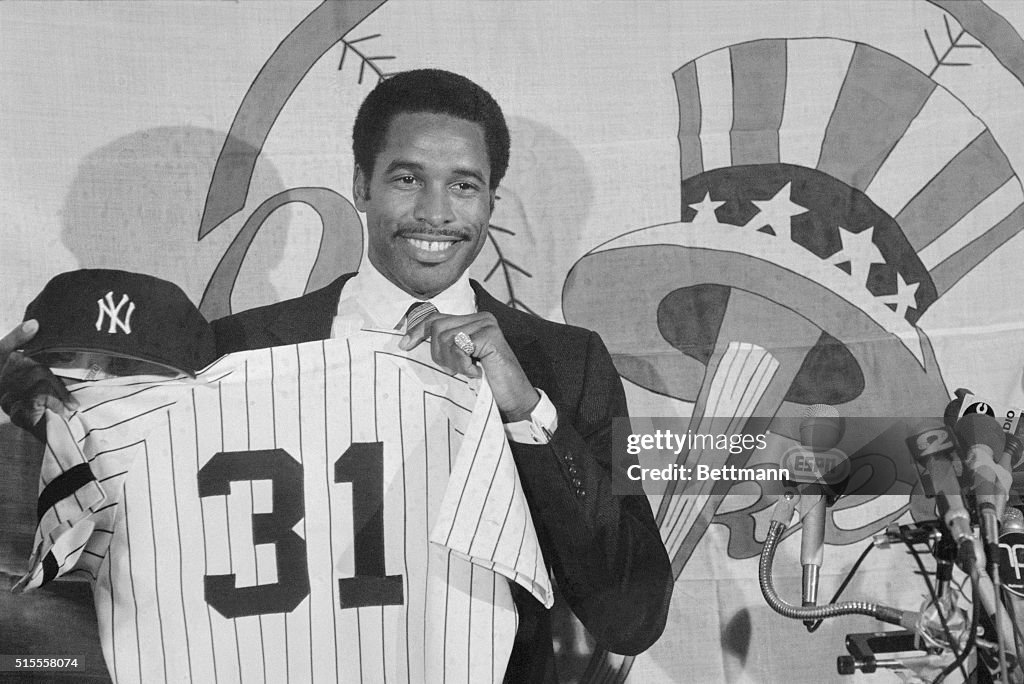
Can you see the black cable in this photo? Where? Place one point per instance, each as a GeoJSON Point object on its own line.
{"type": "Point", "coordinates": [971, 639]}
{"type": "Point", "coordinates": [938, 608]}
{"type": "Point", "coordinates": [813, 627]}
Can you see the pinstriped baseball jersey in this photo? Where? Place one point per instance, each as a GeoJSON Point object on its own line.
{"type": "Point", "coordinates": [269, 520]}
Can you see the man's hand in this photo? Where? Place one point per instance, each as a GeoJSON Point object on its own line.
{"type": "Point", "coordinates": [513, 393]}
{"type": "Point", "coordinates": [27, 388]}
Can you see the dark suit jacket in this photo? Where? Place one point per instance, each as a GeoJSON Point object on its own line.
{"type": "Point", "coordinates": [604, 550]}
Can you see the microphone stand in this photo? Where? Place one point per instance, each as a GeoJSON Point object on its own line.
{"type": "Point", "coordinates": [865, 647]}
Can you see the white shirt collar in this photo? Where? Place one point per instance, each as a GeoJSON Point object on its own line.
{"type": "Point", "coordinates": [369, 299]}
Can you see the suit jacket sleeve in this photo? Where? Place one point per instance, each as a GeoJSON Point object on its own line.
{"type": "Point", "coordinates": [604, 548]}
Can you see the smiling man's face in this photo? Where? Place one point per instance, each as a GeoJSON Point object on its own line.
{"type": "Point", "coordinates": [428, 201]}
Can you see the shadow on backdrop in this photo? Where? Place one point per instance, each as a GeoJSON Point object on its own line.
{"type": "Point", "coordinates": [136, 203]}
{"type": "Point", "coordinates": [539, 217]}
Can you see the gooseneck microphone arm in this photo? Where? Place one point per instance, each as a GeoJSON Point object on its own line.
{"type": "Point", "coordinates": [780, 521]}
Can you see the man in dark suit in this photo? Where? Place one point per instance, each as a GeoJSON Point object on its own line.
{"type": "Point", "coordinates": [430, 149]}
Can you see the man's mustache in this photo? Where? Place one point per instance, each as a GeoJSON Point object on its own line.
{"type": "Point", "coordinates": [421, 232]}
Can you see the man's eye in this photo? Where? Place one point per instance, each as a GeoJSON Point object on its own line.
{"type": "Point", "coordinates": [465, 188]}
{"type": "Point", "coordinates": [405, 180]}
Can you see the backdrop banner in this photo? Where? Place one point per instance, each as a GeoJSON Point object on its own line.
{"type": "Point", "coordinates": [759, 205]}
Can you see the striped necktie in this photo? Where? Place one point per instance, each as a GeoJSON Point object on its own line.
{"type": "Point", "coordinates": [416, 313]}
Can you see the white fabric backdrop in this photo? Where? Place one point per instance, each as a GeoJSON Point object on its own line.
{"type": "Point", "coordinates": [113, 114]}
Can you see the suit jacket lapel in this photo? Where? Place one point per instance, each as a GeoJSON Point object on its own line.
{"type": "Point", "coordinates": [517, 335]}
{"type": "Point", "coordinates": [521, 334]}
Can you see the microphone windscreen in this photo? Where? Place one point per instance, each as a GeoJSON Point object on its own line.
{"type": "Point", "coordinates": [1013, 520]}
{"type": "Point", "coordinates": [822, 428]}
{"type": "Point", "coordinates": [978, 428]}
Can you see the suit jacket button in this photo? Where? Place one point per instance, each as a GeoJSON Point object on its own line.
{"type": "Point", "coordinates": [580, 492]}
{"type": "Point", "coordinates": [577, 483]}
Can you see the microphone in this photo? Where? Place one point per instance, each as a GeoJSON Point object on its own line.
{"type": "Point", "coordinates": [812, 544]}
{"type": "Point", "coordinates": [990, 482]}
{"type": "Point", "coordinates": [1013, 520]}
{"type": "Point", "coordinates": [820, 431]}
{"type": "Point", "coordinates": [966, 402]}
{"type": "Point", "coordinates": [1010, 417]}
{"type": "Point", "coordinates": [1011, 556]}
{"type": "Point", "coordinates": [1011, 570]}
{"type": "Point", "coordinates": [822, 428]}
{"type": "Point", "coordinates": [1012, 452]}
{"type": "Point", "coordinates": [933, 448]}
{"type": "Point", "coordinates": [963, 399]}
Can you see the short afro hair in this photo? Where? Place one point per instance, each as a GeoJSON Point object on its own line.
{"type": "Point", "coordinates": [435, 91]}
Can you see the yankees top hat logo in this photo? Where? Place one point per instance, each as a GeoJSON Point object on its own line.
{"type": "Point", "coordinates": [831, 193]}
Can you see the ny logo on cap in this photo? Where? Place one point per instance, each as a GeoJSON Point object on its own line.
{"type": "Point", "coordinates": [113, 313]}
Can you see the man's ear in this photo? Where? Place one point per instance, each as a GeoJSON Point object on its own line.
{"type": "Point", "coordinates": [360, 188]}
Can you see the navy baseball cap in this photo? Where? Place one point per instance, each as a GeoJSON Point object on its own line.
{"type": "Point", "coordinates": [122, 314]}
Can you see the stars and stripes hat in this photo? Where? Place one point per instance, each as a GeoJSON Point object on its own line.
{"type": "Point", "coordinates": [121, 314]}
{"type": "Point", "coordinates": [840, 189]}
{"type": "Point", "coordinates": [831, 193]}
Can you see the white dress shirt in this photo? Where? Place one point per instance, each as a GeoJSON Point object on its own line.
{"type": "Point", "coordinates": [369, 300]}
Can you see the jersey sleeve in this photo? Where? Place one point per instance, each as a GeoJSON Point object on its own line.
{"type": "Point", "coordinates": [85, 460]}
{"type": "Point", "coordinates": [484, 516]}
{"type": "Point", "coordinates": [69, 495]}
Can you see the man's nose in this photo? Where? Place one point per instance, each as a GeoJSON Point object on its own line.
{"type": "Point", "coordinates": [434, 206]}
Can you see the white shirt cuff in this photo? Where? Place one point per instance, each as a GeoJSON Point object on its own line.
{"type": "Point", "coordinates": [539, 427]}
